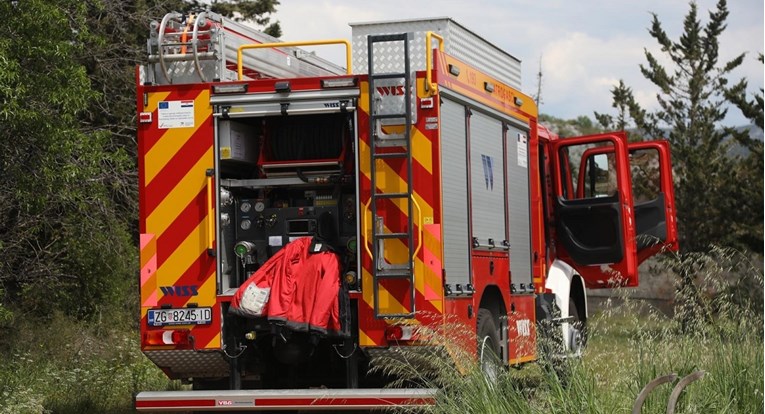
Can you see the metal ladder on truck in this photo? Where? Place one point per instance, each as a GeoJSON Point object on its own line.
{"type": "Point", "coordinates": [398, 147]}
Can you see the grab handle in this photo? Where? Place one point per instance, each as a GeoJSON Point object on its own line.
{"type": "Point", "coordinates": [431, 87]}
{"type": "Point", "coordinates": [210, 213]}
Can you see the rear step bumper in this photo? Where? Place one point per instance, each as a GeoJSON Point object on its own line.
{"type": "Point", "coordinates": [310, 399]}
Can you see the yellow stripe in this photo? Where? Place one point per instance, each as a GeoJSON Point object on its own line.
{"type": "Point", "coordinates": [522, 359]}
{"type": "Point", "coordinates": [422, 150]}
{"type": "Point", "coordinates": [396, 252]}
{"type": "Point", "coordinates": [180, 196]}
{"type": "Point", "coordinates": [173, 139]}
{"type": "Point", "coordinates": [364, 97]}
{"type": "Point", "coordinates": [215, 343]}
{"type": "Point", "coordinates": [154, 99]}
{"type": "Point", "coordinates": [207, 292]}
{"type": "Point", "coordinates": [387, 302]}
{"type": "Point", "coordinates": [186, 253]}
{"type": "Point", "coordinates": [503, 95]}
{"type": "Point", "coordinates": [391, 181]}
{"type": "Point", "coordinates": [365, 340]}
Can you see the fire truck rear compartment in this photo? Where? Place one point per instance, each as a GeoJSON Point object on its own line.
{"type": "Point", "coordinates": [289, 176]}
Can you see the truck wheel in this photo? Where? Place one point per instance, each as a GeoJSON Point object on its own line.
{"type": "Point", "coordinates": [576, 332]}
{"type": "Point", "coordinates": [488, 344]}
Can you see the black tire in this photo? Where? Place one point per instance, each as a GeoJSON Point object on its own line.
{"type": "Point", "coordinates": [580, 337]}
{"type": "Point", "coordinates": [488, 344]}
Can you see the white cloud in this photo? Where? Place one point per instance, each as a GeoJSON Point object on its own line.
{"type": "Point", "coordinates": [586, 45]}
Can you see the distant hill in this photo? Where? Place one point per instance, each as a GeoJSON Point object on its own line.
{"type": "Point", "coordinates": [583, 125]}
{"type": "Point", "coordinates": [754, 133]}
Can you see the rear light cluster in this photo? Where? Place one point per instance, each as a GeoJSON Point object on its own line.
{"type": "Point", "coordinates": [400, 333]}
{"type": "Point", "coordinates": [179, 337]}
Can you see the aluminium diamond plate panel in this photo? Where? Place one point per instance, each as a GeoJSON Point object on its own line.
{"type": "Point", "coordinates": [187, 363]}
{"type": "Point", "coordinates": [459, 42]}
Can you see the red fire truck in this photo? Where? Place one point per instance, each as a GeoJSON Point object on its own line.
{"type": "Point", "coordinates": [422, 166]}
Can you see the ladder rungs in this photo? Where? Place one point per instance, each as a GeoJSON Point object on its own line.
{"type": "Point", "coordinates": [390, 142]}
{"type": "Point", "coordinates": [391, 236]}
{"type": "Point", "coordinates": [394, 274]}
{"type": "Point", "coordinates": [391, 195]}
{"type": "Point", "coordinates": [388, 116]}
{"type": "Point", "coordinates": [391, 155]}
{"type": "Point", "coordinates": [388, 76]}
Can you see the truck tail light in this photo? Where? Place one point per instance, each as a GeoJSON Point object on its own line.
{"type": "Point", "coordinates": [400, 333]}
{"type": "Point", "coordinates": [167, 337]}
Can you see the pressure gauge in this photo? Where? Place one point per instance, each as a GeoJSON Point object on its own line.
{"type": "Point", "coordinates": [245, 207]}
{"type": "Point", "coordinates": [259, 206]}
{"type": "Point", "coordinates": [245, 224]}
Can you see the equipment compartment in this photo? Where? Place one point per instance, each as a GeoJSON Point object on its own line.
{"type": "Point", "coordinates": [304, 144]}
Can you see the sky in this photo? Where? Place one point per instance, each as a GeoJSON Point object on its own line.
{"type": "Point", "coordinates": [585, 46]}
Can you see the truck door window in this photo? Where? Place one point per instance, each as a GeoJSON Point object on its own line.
{"type": "Point", "coordinates": [650, 221]}
{"type": "Point", "coordinates": [599, 176]}
{"type": "Point", "coordinates": [593, 170]}
{"type": "Point", "coordinates": [646, 175]}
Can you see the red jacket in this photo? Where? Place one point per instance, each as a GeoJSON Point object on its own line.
{"type": "Point", "coordinates": [304, 287]}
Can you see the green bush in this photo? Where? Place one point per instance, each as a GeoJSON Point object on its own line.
{"type": "Point", "coordinates": [63, 365]}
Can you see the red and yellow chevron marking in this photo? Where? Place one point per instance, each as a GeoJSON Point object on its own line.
{"type": "Point", "coordinates": [470, 82]}
{"type": "Point", "coordinates": [391, 177]}
{"type": "Point", "coordinates": [174, 211]}
{"type": "Point", "coordinates": [148, 270]}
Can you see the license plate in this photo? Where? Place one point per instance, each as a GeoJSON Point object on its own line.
{"type": "Point", "coordinates": [185, 316]}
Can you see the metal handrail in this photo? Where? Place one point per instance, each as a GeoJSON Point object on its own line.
{"type": "Point", "coordinates": [241, 49]}
{"type": "Point", "coordinates": [365, 228]}
{"type": "Point", "coordinates": [210, 215]}
{"type": "Point", "coordinates": [431, 87]}
{"type": "Point", "coordinates": [419, 225]}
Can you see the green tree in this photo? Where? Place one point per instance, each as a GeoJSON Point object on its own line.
{"type": "Point", "coordinates": [752, 109]}
{"type": "Point", "coordinates": [624, 105]}
{"type": "Point", "coordinates": [77, 239]}
{"type": "Point", "coordinates": [256, 11]}
{"type": "Point", "coordinates": [718, 200]}
{"type": "Point", "coordinates": [62, 242]}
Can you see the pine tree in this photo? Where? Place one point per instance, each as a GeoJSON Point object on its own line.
{"type": "Point", "coordinates": [717, 199]}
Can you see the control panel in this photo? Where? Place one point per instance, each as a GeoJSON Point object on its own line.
{"type": "Point", "coordinates": [260, 223]}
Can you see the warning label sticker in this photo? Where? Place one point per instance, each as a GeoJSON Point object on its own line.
{"type": "Point", "coordinates": [175, 114]}
{"type": "Point", "coordinates": [522, 153]}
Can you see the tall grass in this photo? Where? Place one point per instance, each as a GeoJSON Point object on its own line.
{"type": "Point", "coordinates": [66, 366]}
{"type": "Point", "coordinates": [717, 328]}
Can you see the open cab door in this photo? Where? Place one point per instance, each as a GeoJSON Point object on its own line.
{"type": "Point", "coordinates": [595, 222]}
{"type": "Point", "coordinates": [652, 191]}
{"type": "Point", "coordinates": [654, 194]}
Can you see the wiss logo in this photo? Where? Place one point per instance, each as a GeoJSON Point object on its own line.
{"type": "Point", "coordinates": [180, 290]}
{"type": "Point", "coordinates": [391, 90]}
